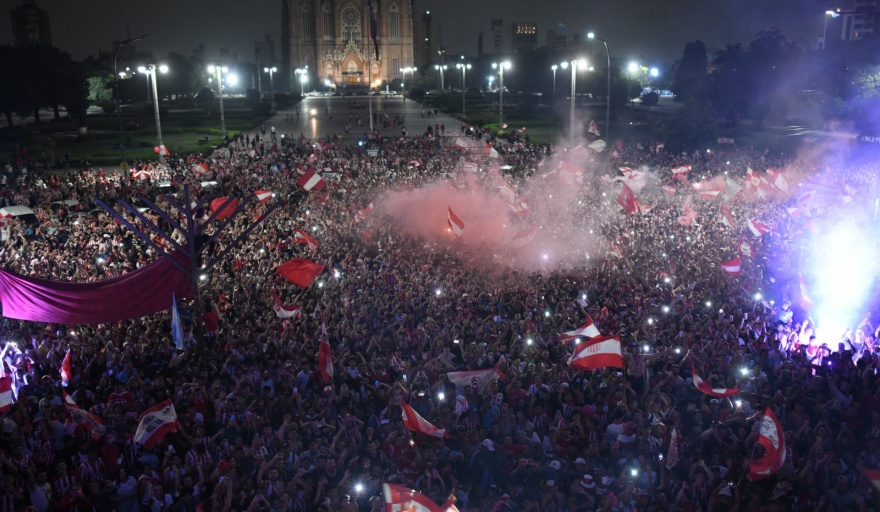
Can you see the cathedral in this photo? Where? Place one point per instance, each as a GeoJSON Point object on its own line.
{"type": "Point", "coordinates": [332, 39]}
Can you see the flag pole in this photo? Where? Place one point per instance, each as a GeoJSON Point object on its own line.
{"type": "Point", "coordinates": [370, 83]}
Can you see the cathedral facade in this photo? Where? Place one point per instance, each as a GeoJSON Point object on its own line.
{"type": "Point", "coordinates": [332, 38]}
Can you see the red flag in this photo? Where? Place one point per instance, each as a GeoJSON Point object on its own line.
{"type": "Point", "coordinates": [524, 237]}
{"type": "Point", "coordinates": [806, 300]}
{"type": "Point", "coordinates": [161, 150]}
{"type": "Point", "coordinates": [283, 311]}
{"type": "Point", "coordinates": [361, 215]}
{"type": "Point", "coordinates": [594, 128]}
{"type": "Point", "coordinates": [303, 238]}
{"type": "Point", "coordinates": [599, 352]}
{"type": "Point", "coordinates": [455, 224]}
{"type": "Point", "coordinates": [706, 387]}
{"type": "Point", "coordinates": [201, 169]}
{"type": "Point", "coordinates": [155, 423]}
{"type": "Point", "coordinates": [325, 361]}
{"type": "Point", "coordinates": [709, 193]}
{"type": "Point", "coordinates": [588, 330]}
{"type": "Point", "coordinates": [66, 372]}
{"type": "Point", "coordinates": [218, 203]}
{"type": "Point", "coordinates": [726, 216]}
{"type": "Point", "coordinates": [627, 199]}
{"type": "Point", "coordinates": [6, 396]}
{"type": "Point", "coordinates": [772, 439]}
{"type": "Point", "coordinates": [263, 195]}
{"type": "Point", "coordinates": [758, 228]}
{"type": "Point", "coordinates": [412, 420]}
{"type": "Point", "coordinates": [84, 418]}
{"type": "Point", "coordinates": [300, 271]}
{"type": "Point", "coordinates": [311, 181]}
{"type": "Point", "coordinates": [669, 189]}
{"type": "Point", "coordinates": [732, 267]}
{"type": "Point", "coordinates": [403, 499]}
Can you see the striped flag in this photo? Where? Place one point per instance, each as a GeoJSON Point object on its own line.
{"type": "Point", "coordinates": [706, 387]}
{"type": "Point", "coordinates": [524, 237]}
{"type": "Point", "coordinates": [414, 421]}
{"type": "Point", "coordinates": [732, 267]}
{"type": "Point", "coordinates": [599, 352]}
{"type": "Point", "coordinates": [456, 225]}
{"type": "Point", "coordinates": [588, 330]}
{"type": "Point", "coordinates": [681, 169]}
{"type": "Point", "coordinates": [303, 238]}
{"type": "Point", "coordinates": [66, 371]}
{"type": "Point", "coordinates": [758, 228]}
{"type": "Point", "coordinates": [725, 216]}
{"type": "Point", "coordinates": [311, 181]}
{"type": "Point", "coordinates": [263, 195]}
{"type": "Point", "coordinates": [772, 438]}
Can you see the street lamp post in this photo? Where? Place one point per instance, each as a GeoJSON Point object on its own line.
{"type": "Point", "coordinates": [554, 67]}
{"type": "Point", "coordinates": [463, 67]}
{"type": "Point", "coordinates": [501, 67]}
{"type": "Point", "coordinates": [574, 65]}
{"type": "Point", "coordinates": [150, 71]}
{"type": "Point", "coordinates": [116, 83]}
{"type": "Point", "coordinates": [219, 70]}
{"type": "Point", "coordinates": [271, 72]}
{"type": "Point", "coordinates": [607, 95]}
{"type": "Point", "coordinates": [832, 14]}
{"type": "Point", "coordinates": [404, 71]}
{"type": "Point", "coordinates": [303, 74]}
{"type": "Point", "coordinates": [440, 68]}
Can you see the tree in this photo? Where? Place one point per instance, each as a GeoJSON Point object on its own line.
{"type": "Point", "coordinates": [769, 62]}
{"type": "Point", "coordinates": [866, 98]}
{"type": "Point", "coordinates": [725, 84]}
{"type": "Point", "coordinates": [691, 127]}
{"type": "Point", "coordinates": [691, 72]}
{"type": "Point", "coordinates": [185, 76]}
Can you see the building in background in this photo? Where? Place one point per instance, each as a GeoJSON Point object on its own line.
{"type": "Point", "coordinates": [497, 46]}
{"type": "Point", "coordinates": [855, 23]}
{"type": "Point", "coordinates": [425, 38]}
{"type": "Point", "coordinates": [332, 39]}
{"type": "Point", "coordinates": [525, 37]}
{"type": "Point", "coordinates": [30, 25]}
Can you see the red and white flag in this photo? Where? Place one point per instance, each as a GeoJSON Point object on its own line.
{"type": "Point", "coordinates": [806, 300]}
{"type": "Point", "coordinates": [263, 195]}
{"type": "Point", "coordinates": [659, 146]}
{"type": "Point", "coordinates": [775, 178]}
{"type": "Point", "coordinates": [489, 150]}
{"type": "Point", "coordinates": [588, 330]}
{"type": "Point", "coordinates": [599, 352]}
{"type": "Point", "coordinates": [201, 169]}
{"type": "Point", "coordinates": [476, 379]}
{"type": "Point", "coordinates": [470, 167]}
{"type": "Point", "coordinates": [594, 128]}
{"type": "Point", "coordinates": [732, 267]}
{"type": "Point", "coordinates": [414, 421]}
{"type": "Point", "coordinates": [745, 248]}
{"type": "Point", "coordinates": [570, 174]}
{"type": "Point", "coordinates": [155, 423]}
{"type": "Point", "coordinates": [84, 418]}
{"type": "Point", "coordinates": [404, 499]}
{"type": "Point", "coordinates": [681, 170]}
{"type": "Point", "coordinates": [733, 186]}
{"type": "Point", "coordinates": [520, 207]}
{"type": "Point", "coordinates": [325, 361]}
{"type": "Point", "coordinates": [524, 237]}
{"type": "Point", "coordinates": [725, 216]}
{"type": "Point", "coordinates": [627, 199]}
{"type": "Point", "coordinates": [706, 387]}
{"type": "Point", "coordinates": [414, 163]}
{"type": "Point", "coordinates": [7, 398]}
{"type": "Point", "coordinates": [753, 179]}
{"type": "Point", "coordinates": [282, 311]}
{"type": "Point", "coordinates": [758, 228]}
{"type": "Point", "coordinates": [456, 225]}
{"type": "Point", "coordinates": [597, 145]}
{"type": "Point", "coordinates": [362, 214]}
{"type": "Point", "coordinates": [66, 371]}
{"type": "Point", "coordinates": [710, 193]}
{"type": "Point", "coordinates": [507, 192]}
{"type": "Point", "coordinates": [303, 238]}
{"type": "Point", "coordinates": [772, 439]}
{"type": "Point", "coordinates": [628, 172]}
{"type": "Point", "coordinates": [311, 181]}
{"type": "Point", "coordinates": [672, 454]}
{"type": "Point", "coordinates": [161, 150]}
{"type": "Point", "coordinates": [669, 189]}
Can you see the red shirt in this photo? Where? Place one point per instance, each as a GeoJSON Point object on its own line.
{"type": "Point", "coordinates": [211, 320]}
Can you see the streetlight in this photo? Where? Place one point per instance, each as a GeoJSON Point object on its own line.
{"type": "Point", "coordinates": [633, 67]}
{"type": "Point", "coordinates": [591, 35]}
{"type": "Point", "coordinates": [574, 65]}
{"type": "Point", "coordinates": [554, 67]}
{"type": "Point", "coordinates": [501, 67]}
{"type": "Point", "coordinates": [150, 71]}
{"type": "Point", "coordinates": [654, 72]}
{"type": "Point", "coordinates": [833, 14]}
{"type": "Point", "coordinates": [440, 69]}
{"type": "Point", "coordinates": [303, 74]}
{"type": "Point", "coordinates": [271, 72]}
{"type": "Point", "coordinates": [409, 70]}
{"type": "Point", "coordinates": [219, 70]}
{"type": "Point", "coordinates": [116, 80]}
{"type": "Point", "coordinates": [463, 67]}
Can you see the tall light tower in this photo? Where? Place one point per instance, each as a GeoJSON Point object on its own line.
{"type": "Point", "coordinates": [150, 71]}
{"type": "Point", "coordinates": [501, 67]}
{"type": "Point", "coordinates": [218, 71]}
{"type": "Point", "coordinates": [271, 72]}
{"type": "Point", "coordinates": [591, 35]}
{"type": "Point", "coordinates": [463, 67]}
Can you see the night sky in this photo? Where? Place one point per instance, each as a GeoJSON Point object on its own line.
{"type": "Point", "coordinates": [654, 31]}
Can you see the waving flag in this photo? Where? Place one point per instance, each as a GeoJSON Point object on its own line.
{"type": "Point", "coordinates": [597, 145]}
{"type": "Point", "coordinates": [669, 189]}
{"type": "Point", "coordinates": [706, 387]}
{"type": "Point", "coordinates": [599, 352]}
{"type": "Point", "coordinates": [627, 199]}
{"type": "Point", "coordinates": [588, 330]}
{"type": "Point", "coordinates": [282, 311]}
{"type": "Point", "coordinates": [404, 499]}
{"type": "Point", "coordinates": [524, 237]}
{"type": "Point", "coordinates": [325, 360]}
{"type": "Point", "coordinates": [300, 271]}
{"type": "Point", "coordinates": [594, 128]}
{"type": "Point", "coordinates": [66, 372]}
{"type": "Point", "coordinates": [725, 216]}
{"type": "Point", "coordinates": [628, 171]}
{"type": "Point", "coordinates": [155, 423]}
{"type": "Point", "coordinates": [176, 329]}
{"type": "Point", "coordinates": [806, 300]}
{"type": "Point", "coordinates": [456, 225]}
{"type": "Point", "coordinates": [489, 150]}
{"type": "Point", "coordinates": [687, 217]}
{"type": "Point", "coordinates": [84, 418]}
{"type": "Point", "coordinates": [311, 181]}
{"type": "Point", "coordinates": [570, 174]}
{"type": "Point", "coordinates": [470, 167]}
{"type": "Point", "coordinates": [681, 170]}
{"type": "Point", "coordinates": [672, 454]}
{"type": "Point", "coordinates": [201, 169]}
{"type": "Point", "coordinates": [263, 195]}
{"type": "Point", "coordinates": [161, 150]}
{"type": "Point", "coordinates": [753, 180]}
{"type": "Point", "coordinates": [7, 398]}
{"type": "Point", "coordinates": [746, 249]}
{"type": "Point", "coordinates": [141, 174]}
{"type": "Point", "coordinates": [758, 228]}
{"type": "Point", "coordinates": [476, 379]}
{"type": "Point", "coordinates": [732, 267]}
{"type": "Point", "coordinates": [414, 421]}
{"type": "Point", "coordinates": [710, 193]}
{"type": "Point", "coordinates": [362, 214]}
{"type": "Point", "coordinates": [303, 238]}
{"type": "Point", "coordinates": [507, 192]}
{"type": "Point", "coordinates": [217, 206]}
{"type": "Point", "coordinates": [519, 207]}
{"type": "Point", "coordinates": [775, 177]}
{"type": "Point", "coordinates": [732, 185]}
{"type": "Point", "coordinates": [772, 439]}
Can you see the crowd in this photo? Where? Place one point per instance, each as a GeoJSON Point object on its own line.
{"type": "Point", "coordinates": [260, 431]}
